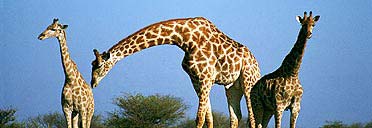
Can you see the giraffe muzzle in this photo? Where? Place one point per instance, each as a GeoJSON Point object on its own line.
{"type": "Point", "coordinates": [93, 84]}
{"type": "Point", "coordinates": [309, 35]}
{"type": "Point", "coordinates": [41, 37]}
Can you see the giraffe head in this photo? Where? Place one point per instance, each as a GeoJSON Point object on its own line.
{"type": "Point", "coordinates": [53, 30]}
{"type": "Point", "coordinates": [308, 23]}
{"type": "Point", "coordinates": [100, 67]}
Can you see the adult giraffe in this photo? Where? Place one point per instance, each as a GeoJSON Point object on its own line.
{"type": "Point", "coordinates": [281, 89]}
{"type": "Point", "coordinates": [77, 97]}
{"type": "Point", "coordinates": [210, 57]}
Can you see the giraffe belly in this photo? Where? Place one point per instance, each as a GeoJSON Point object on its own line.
{"type": "Point", "coordinates": [226, 78]}
{"type": "Point", "coordinates": [228, 72]}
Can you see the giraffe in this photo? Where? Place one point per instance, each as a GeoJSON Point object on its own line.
{"type": "Point", "coordinates": [281, 89]}
{"type": "Point", "coordinates": [77, 97]}
{"type": "Point", "coordinates": [210, 57]}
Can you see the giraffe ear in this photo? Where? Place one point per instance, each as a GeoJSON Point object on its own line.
{"type": "Point", "coordinates": [64, 26]}
{"type": "Point", "coordinates": [299, 19]}
{"type": "Point", "coordinates": [316, 18]}
{"type": "Point", "coordinates": [105, 56]}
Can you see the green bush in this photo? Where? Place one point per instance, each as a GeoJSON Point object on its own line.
{"type": "Point", "coordinates": [8, 119]}
{"type": "Point", "coordinates": [339, 124]}
{"type": "Point", "coordinates": [138, 111]}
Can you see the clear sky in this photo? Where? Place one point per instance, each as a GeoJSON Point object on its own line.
{"type": "Point", "coordinates": [336, 73]}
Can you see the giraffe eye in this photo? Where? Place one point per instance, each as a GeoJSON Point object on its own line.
{"type": "Point", "coordinates": [53, 29]}
{"type": "Point", "coordinates": [96, 65]}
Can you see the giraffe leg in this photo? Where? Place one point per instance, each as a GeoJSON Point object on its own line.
{"type": "Point", "coordinates": [89, 118]}
{"type": "Point", "coordinates": [295, 110]}
{"type": "Point", "coordinates": [201, 114]}
{"type": "Point", "coordinates": [83, 117]}
{"type": "Point", "coordinates": [278, 117]}
{"type": "Point", "coordinates": [294, 115]}
{"type": "Point", "coordinates": [68, 116]}
{"type": "Point", "coordinates": [209, 116]}
{"type": "Point", "coordinates": [251, 120]}
{"type": "Point", "coordinates": [248, 84]}
{"type": "Point", "coordinates": [258, 110]}
{"type": "Point", "coordinates": [202, 91]}
{"type": "Point", "coordinates": [234, 95]}
{"type": "Point", "coordinates": [75, 119]}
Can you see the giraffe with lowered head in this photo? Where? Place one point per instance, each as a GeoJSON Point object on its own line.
{"type": "Point", "coordinates": [281, 89]}
{"type": "Point", "coordinates": [210, 57]}
{"type": "Point", "coordinates": [77, 97]}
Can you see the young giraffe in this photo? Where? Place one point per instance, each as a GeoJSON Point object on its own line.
{"type": "Point", "coordinates": [77, 97]}
{"type": "Point", "coordinates": [281, 89]}
{"type": "Point", "coordinates": [210, 57]}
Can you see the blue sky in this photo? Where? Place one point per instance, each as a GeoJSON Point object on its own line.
{"type": "Point", "coordinates": [335, 73]}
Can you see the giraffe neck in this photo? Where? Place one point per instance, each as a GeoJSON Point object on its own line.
{"type": "Point", "coordinates": [153, 35]}
{"type": "Point", "coordinates": [292, 62]}
{"type": "Point", "coordinates": [67, 62]}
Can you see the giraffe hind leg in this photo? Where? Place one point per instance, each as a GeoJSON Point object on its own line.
{"type": "Point", "coordinates": [250, 74]}
{"type": "Point", "coordinates": [75, 119]}
{"type": "Point", "coordinates": [248, 84]}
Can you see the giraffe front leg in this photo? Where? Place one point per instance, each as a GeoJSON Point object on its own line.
{"type": "Point", "coordinates": [68, 116]}
{"type": "Point", "coordinates": [83, 117]}
{"type": "Point", "coordinates": [294, 115]}
{"type": "Point", "coordinates": [295, 110]}
{"type": "Point", "coordinates": [258, 110]}
{"type": "Point", "coordinates": [209, 115]}
{"type": "Point", "coordinates": [234, 95]}
{"type": "Point", "coordinates": [201, 114]}
{"type": "Point", "coordinates": [203, 91]}
{"type": "Point", "coordinates": [278, 117]}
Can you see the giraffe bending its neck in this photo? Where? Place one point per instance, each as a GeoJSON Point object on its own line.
{"type": "Point", "coordinates": [210, 57]}
{"type": "Point", "coordinates": [77, 97]}
{"type": "Point", "coordinates": [281, 89]}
